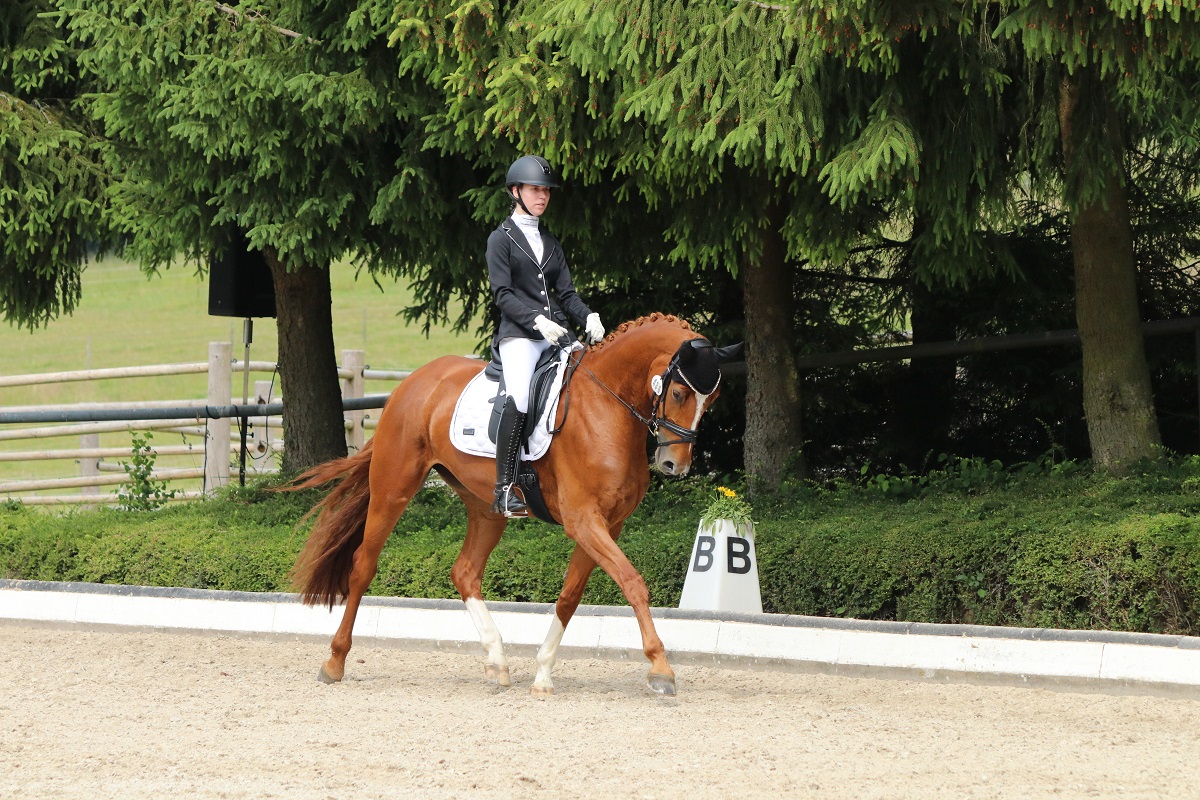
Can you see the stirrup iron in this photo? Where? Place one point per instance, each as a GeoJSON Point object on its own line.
{"type": "Point", "coordinates": [509, 503]}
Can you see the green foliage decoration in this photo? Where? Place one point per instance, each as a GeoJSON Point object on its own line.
{"type": "Point", "coordinates": [727, 504]}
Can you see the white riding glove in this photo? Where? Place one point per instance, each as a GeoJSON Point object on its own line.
{"type": "Point", "coordinates": [593, 328]}
{"type": "Point", "coordinates": [550, 330]}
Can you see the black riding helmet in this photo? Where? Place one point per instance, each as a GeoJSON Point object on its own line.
{"type": "Point", "coordinates": [532, 171]}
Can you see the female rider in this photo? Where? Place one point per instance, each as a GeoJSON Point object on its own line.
{"type": "Point", "coordinates": [526, 266]}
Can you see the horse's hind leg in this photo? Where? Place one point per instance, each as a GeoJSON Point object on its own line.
{"type": "Point", "coordinates": [578, 572]}
{"type": "Point", "coordinates": [390, 495]}
{"type": "Point", "coordinates": [484, 530]}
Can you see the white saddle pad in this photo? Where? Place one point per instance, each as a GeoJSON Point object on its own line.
{"type": "Point", "coordinates": [469, 425]}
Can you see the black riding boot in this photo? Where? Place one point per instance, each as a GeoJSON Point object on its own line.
{"type": "Point", "coordinates": [508, 445]}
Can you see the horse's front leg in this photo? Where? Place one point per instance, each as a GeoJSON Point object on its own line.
{"type": "Point", "coordinates": [590, 533]}
{"type": "Point", "coordinates": [578, 572]}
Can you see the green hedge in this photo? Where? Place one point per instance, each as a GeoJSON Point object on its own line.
{"type": "Point", "coordinates": [1048, 549]}
{"type": "Point", "coordinates": [1040, 551]}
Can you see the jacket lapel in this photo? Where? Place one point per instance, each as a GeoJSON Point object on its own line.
{"type": "Point", "coordinates": [518, 238]}
{"type": "Point", "coordinates": [549, 244]}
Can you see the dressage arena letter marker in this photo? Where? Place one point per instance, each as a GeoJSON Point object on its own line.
{"type": "Point", "coordinates": [714, 583]}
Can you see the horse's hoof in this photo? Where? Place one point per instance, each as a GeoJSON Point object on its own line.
{"type": "Point", "coordinates": [541, 692]}
{"type": "Point", "coordinates": [662, 684]}
{"type": "Point", "coordinates": [324, 677]}
{"type": "Point", "coordinates": [497, 674]}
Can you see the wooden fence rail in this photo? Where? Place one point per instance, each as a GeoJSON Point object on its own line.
{"type": "Point", "coordinates": [209, 419]}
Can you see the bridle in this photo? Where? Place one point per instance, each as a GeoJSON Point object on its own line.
{"type": "Point", "coordinates": [656, 420]}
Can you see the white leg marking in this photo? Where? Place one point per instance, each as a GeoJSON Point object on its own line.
{"type": "Point", "coordinates": [547, 655]}
{"type": "Point", "coordinates": [489, 636]}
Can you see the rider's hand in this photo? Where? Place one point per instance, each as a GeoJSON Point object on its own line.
{"type": "Point", "coordinates": [593, 328]}
{"type": "Point", "coordinates": [550, 330]}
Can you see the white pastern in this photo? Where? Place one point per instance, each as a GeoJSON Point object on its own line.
{"type": "Point", "coordinates": [489, 634]}
{"type": "Point", "coordinates": [548, 655]}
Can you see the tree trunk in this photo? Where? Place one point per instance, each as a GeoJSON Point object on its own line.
{"type": "Point", "coordinates": [772, 444]}
{"type": "Point", "coordinates": [923, 406]}
{"type": "Point", "coordinates": [1117, 399]}
{"type": "Point", "coordinates": [314, 430]}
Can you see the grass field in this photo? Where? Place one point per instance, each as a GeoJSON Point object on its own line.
{"type": "Point", "coordinates": [128, 319]}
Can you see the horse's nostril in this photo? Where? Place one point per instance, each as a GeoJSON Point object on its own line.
{"type": "Point", "coordinates": [669, 467]}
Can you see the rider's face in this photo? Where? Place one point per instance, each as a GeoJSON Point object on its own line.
{"type": "Point", "coordinates": [536, 198]}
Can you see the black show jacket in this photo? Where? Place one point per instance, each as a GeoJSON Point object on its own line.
{"type": "Point", "coordinates": [522, 288]}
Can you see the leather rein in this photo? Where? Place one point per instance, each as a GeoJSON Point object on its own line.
{"type": "Point", "coordinates": [653, 423]}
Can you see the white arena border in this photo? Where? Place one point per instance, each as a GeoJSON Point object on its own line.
{"type": "Point", "coordinates": [1099, 660]}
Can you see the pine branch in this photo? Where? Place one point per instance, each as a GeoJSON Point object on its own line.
{"type": "Point", "coordinates": [16, 105]}
{"type": "Point", "coordinates": [233, 12]}
{"type": "Point", "coordinates": [869, 280]}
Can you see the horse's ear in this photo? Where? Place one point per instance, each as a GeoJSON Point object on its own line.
{"type": "Point", "coordinates": [686, 355]}
{"type": "Point", "coordinates": [728, 353]}
{"type": "Point", "coordinates": [695, 363]}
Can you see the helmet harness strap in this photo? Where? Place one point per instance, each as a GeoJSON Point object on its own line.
{"type": "Point", "coordinates": [517, 199]}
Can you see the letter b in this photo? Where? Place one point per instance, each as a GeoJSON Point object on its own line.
{"type": "Point", "coordinates": [704, 549]}
{"type": "Point", "coordinates": [738, 556]}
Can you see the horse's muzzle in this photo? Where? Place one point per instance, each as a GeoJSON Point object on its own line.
{"type": "Point", "coordinates": [668, 464]}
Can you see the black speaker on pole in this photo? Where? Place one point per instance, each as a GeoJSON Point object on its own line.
{"type": "Point", "coordinates": [239, 280]}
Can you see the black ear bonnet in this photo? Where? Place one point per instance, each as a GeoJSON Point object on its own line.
{"type": "Point", "coordinates": [698, 364]}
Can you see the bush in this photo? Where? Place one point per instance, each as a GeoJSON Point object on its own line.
{"type": "Point", "coordinates": [1044, 547]}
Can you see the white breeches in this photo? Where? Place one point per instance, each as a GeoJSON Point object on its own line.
{"type": "Point", "coordinates": [519, 357]}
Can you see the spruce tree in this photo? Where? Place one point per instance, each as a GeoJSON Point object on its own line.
{"type": "Point", "coordinates": [1110, 79]}
{"type": "Point", "coordinates": [898, 143]}
{"type": "Point", "coordinates": [52, 179]}
{"type": "Point", "coordinates": [285, 120]}
{"type": "Point", "coordinates": [927, 117]}
{"type": "Point", "coordinates": [562, 79]}
{"type": "Point", "coordinates": [1051, 103]}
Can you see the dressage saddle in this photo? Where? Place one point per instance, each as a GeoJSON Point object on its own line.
{"type": "Point", "coordinates": [539, 390]}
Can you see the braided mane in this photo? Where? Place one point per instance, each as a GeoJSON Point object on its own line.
{"type": "Point", "coordinates": [640, 321]}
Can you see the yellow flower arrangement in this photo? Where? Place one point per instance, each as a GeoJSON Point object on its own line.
{"type": "Point", "coordinates": [727, 505]}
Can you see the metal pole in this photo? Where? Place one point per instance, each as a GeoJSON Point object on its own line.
{"type": "Point", "coordinates": [247, 337]}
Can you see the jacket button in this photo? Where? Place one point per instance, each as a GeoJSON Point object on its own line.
{"type": "Point", "coordinates": [542, 293]}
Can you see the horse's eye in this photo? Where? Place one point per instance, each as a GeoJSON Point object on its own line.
{"type": "Point", "coordinates": [677, 394]}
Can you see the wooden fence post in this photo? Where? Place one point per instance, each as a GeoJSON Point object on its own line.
{"type": "Point", "coordinates": [354, 360]}
{"type": "Point", "coordinates": [220, 393]}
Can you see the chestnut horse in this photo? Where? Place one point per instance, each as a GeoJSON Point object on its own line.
{"type": "Point", "coordinates": [593, 476]}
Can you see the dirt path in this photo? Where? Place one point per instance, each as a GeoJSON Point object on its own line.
{"type": "Point", "coordinates": [100, 714]}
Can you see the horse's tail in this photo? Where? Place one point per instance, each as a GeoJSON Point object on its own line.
{"type": "Point", "coordinates": [322, 571]}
